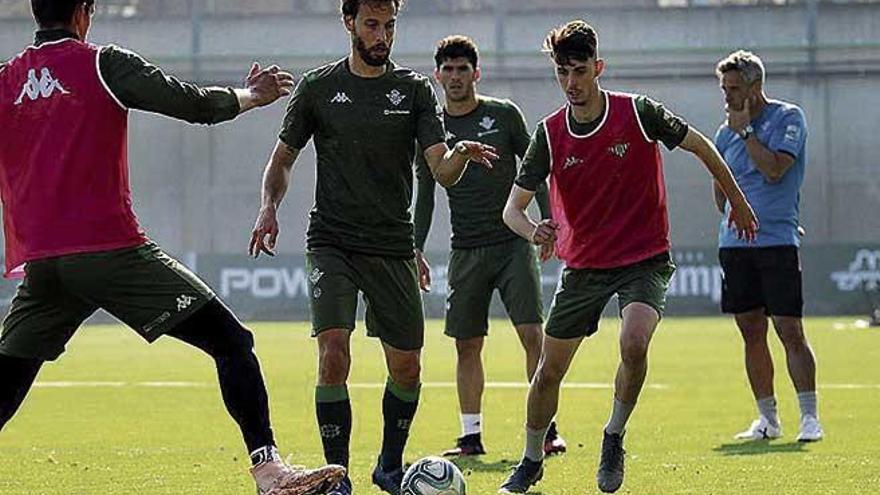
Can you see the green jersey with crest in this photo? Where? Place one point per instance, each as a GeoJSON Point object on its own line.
{"type": "Point", "coordinates": [365, 131]}
{"type": "Point", "coordinates": [476, 202]}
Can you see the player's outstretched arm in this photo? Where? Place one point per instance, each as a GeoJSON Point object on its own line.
{"type": "Point", "coordinates": [718, 195]}
{"type": "Point", "coordinates": [741, 214]}
{"type": "Point", "coordinates": [276, 179]}
{"type": "Point", "coordinates": [448, 165]}
{"type": "Point", "coordinates": [137, 84]}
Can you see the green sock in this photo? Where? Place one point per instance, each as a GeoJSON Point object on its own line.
{"type": "Point", "coordinates": [333, 409]}
{"type": "Point", "coordinates": [398, 408]}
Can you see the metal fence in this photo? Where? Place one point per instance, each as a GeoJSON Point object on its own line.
{"type": "Point", "coordinates": [185, 8]}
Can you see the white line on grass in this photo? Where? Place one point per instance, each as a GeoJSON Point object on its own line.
{"type": "Point", "coordinates": [120, 384]}
{"type": "Point", "coordinates": [598, 386]}
{"type": "Point", "coordinates": [513, 385]}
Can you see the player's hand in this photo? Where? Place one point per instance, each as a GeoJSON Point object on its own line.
{"type": "Point", "coordinates": [424, 271]}
{"type": "Point", "coordinates": [265, 233]}
{"type": "Point", "coordinates": [477, 152]}
{"type": "Point", "coordinates": [544, 233]}
{"type": "Point", "coordinates": [743, 218]}
{"type": "Point", "coordinates": [267, 85]}
{"type": "Point", "coordinates": [548, 251]}
{"type": "Point", "coordinates": [737, 120]}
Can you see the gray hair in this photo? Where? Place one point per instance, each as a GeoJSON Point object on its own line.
{"type": "Point", "coordinates": [746, 63]}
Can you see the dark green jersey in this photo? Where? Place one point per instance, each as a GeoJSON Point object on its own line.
{"type": "Point", "coordinates": [365, 131]}
{"type": "Point", "coordinates": [660, 125]}
{"type": "Point", "coordinates": [477, 201]}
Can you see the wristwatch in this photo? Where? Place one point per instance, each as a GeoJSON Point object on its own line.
{"type": "Point", "coordinates": [746, 132]}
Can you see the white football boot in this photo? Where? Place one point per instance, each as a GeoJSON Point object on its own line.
{"type": "Point", "coordinates": [811, 430]}
{"type": "Point", "coordinates": [761, 429]}
{"type": "Point", "coordinates": [276, 477]}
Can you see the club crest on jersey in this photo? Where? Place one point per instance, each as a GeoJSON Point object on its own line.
{"type": "Point", "coordinates": [395, 97]}
{"type": "Point", "coordinates": [43, 87]}
{"type": "Point", "coordinates": [488, 123]}
{"type": "Point", "coordinates": [619, 149]}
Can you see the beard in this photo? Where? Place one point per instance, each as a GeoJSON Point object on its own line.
{"type": "Point", "coordinates": [370, 55]}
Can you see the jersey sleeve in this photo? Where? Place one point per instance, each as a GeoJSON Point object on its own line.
{"type": "Point", "coordinates": [140, 85]}
{"type": "Point", "coordinates": [299, 120]}
{"type": "Point", "coordinates": [520, 138]}
{"type": "Point", "coordinates": [790, 134]}
{"type": "Point", "coordinates": [660, 124]}
{"type": "Point", "coordinates": [536, 164]}
{"type": "Point", "coordinates": [429, 116]}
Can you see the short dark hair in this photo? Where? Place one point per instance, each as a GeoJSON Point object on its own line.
{"type": "Point", "coordinates": [351, 7]}
{"type": "Point", "coordinates": [56, 12]}
{"type": "Point", "coordinates": [575, 40]}
{"type": "Point", "coordinates": [457, 46]}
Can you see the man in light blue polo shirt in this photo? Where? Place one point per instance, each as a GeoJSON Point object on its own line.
{"type": "Point", "coordinates": [764, 143]}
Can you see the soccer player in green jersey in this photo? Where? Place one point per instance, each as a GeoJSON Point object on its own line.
{"type": "Point", "coordinates": [486, 254]}
{"type": "Point", "coordinates": [365, 114]}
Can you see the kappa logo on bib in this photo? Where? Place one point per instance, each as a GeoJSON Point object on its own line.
{"type": "Point", "coordinates": [43, 87]}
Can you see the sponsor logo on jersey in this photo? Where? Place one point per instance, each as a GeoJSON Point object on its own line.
{"type": "Point", "coordinates": [340, 97]}
{"type": "Point", "coordinates": [149, 327]}
{"type": "Point", "coordinates": [792, 133]}
{"type": "Point", "coordinates": [43, 87]}
{"type": "Point", "coordinates": [571, 161]}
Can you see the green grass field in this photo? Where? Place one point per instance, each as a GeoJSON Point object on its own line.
{"type": "Point", "coordinates": [101, 424]}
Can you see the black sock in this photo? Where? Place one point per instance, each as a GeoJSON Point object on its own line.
{"type": "Point", "coordinates": [333, 409]}
{"type": "Point", "coordinates": [398, 408]}
{"type": "Point", "coordinates": [215, 330]}
{"type": "Point", "coordinates": [16, 377]}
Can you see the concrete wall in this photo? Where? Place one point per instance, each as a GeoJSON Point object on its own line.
{"type": "Point", "coordinates": [197, 189]}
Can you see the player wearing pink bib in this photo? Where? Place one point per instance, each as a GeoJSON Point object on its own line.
{"type": "Point", "coordinates": [72, 235]}
{"type": "Point", "coordinates": [610, 226]}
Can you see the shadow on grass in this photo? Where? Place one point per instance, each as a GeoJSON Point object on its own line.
{"type": "Point", "coordinates": [476, 465]}
{"type": "Point", "coordinates": [760, 447]}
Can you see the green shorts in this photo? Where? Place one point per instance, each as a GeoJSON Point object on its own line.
{"type": "Point", "coordinates": [390, 288]}
{"type": "Point", "coordinates": [582, 294]}
{"type": "Point", "coordinates": [142, 286]}
{"type": "Point", "coordinates": [474, 274]}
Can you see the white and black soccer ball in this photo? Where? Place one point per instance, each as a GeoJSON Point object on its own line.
{"type": "Point", "coordinates": [433, 476]}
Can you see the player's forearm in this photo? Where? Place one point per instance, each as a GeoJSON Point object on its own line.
{"type": "Point", "coordinates": [517, 219]}
{"type": "Point", "coordinates": [708, 154]}
{"type": "Point", "coordinates": [246, 100]}
{"type": "Point", "coordinates": [718, 194]}
{"type": "Point", "coordinates": [276, 177]}
{"type": "Point", "coordinates": [768, 163]}
{"type": "Point", "coordinates": [450, 168]}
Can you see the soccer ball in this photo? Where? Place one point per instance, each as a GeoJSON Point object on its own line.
{"type": "Point", "coordinates": [433, 476]}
